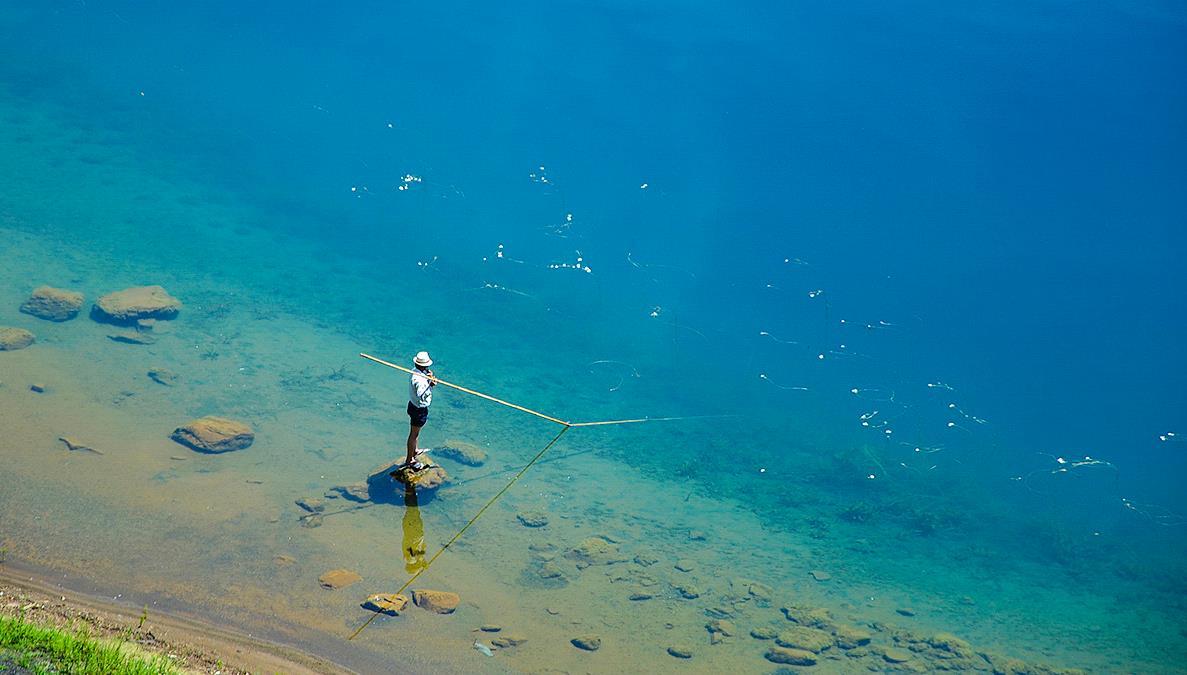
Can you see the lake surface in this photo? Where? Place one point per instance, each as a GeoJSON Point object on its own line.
{"type": "Point", "coordinates": [909, 281]}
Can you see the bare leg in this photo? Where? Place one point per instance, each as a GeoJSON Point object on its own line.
{"type": "Point", "coordinates": [413, 435]}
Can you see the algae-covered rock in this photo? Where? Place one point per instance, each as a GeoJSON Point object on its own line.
{"type": "Point", "coordinates": [790, 656]}
{"type": "Point", "coordinates": [850, 637]}
{"type": "Point", "coordinates": [726, 628]}
{"type": "Point", "coordinates": [893, 655]}
{"type": "Point", "coordinates": [12, 339]}
{"type": "Point", "coordinates": [815, 617]}
{"type": "Point", "coordinates": [532, 518]}
{"type": "Point", "coordinates": [439, 602]}
{"type": "Point", "coordinates": [764, 633]}
{"type": "Point", "coordinates": [53, 304]}
{"type": "Point", "coordinates": [214, 434]}
{"type": "Point", "coordinates": [355, 492]}
{"type": "Point", "coordinates": [462, 452]}
{"type": "Point", "coordinates": [131, 304]}
{"type": "Point", "coordinates": [802, 637]}
{"type": "Point", "coordinates": [594, 551]}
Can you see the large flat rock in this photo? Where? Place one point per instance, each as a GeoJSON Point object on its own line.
{"type": "Point", "coordinates": [53, 304]}
{"type": "Point", "coordinates": [214, 434]}
{"type": "Point", "coordinates": [133, 304]}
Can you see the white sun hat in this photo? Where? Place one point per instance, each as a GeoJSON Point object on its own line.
{"type": "Point", "coordinates": [422, 359]}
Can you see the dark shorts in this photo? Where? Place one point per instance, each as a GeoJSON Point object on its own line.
{"type": "Point", "coordinates": [418, 415]}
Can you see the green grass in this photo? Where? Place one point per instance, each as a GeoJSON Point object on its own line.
{"type": "Point", "coordinates": [44, 649]}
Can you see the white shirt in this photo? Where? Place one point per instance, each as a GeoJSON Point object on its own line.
{"type": "Point", "coordinates": [420, 394]}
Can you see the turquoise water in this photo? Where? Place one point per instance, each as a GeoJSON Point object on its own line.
{"type": "Point", "coordinates": [909, 274]}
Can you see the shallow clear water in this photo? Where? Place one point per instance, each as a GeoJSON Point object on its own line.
{"type": "Point", "coordinates": [919, 270]}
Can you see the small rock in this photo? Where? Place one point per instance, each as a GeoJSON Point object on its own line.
{"type": "Point", "coordinates": [490, 628]}
{"type": "Point", "coordinates": [461, 452]}
{"type": "Point", "coordinates": [425, 479]}
{"type": "Point", "coordinates": [214, 434]}
{"type": "Point", "coordinates": [716, 638]}
{"type": "Point", "coordinates": [680, 651]}
{"type": "Point", "coordinates": [685, 565]}
{"type": "Point", "coordinates": [646, 558]}
{"type": "Point", "coordinates": [74, 445]}
{"type": "Point", "coordinates": [532, 518]}
{"type": "Point", "coordinates": [726, 628]}
{"type": "Point", "coordinates": [163, 376]}
{"type": "Point", "coordinates": [816, 617]}
{"type": "Point", "coordinates": [440, 602]}
{"type": "Point", "coordinates": [355, 492]}
{"type": "Point", "coordinates": [312, 520]}
{"type": "Point", "coordinates": [53, 304]}
{"type": "Point", "coordinates": [131, 338]}
{"type": "Point", "coordinates": [820, 575]}
{"type": "Point", "coordinates": [893, 655]}
{"type": "Point", "coordinates": [905, 611]}
{"type": "Point", "coordinates": [792, 657]}
{"type": "Point", "coordinates": [764, 633]}
{"type": "Point", "coordinates": [590, 643]}
{"type": "Point", "coordinates": [12, 339]}
{"type": "Point", "coordinates": [759, 591]}
{"type": "Point", "coordinates": [386, 603]}
{"type": "Point", "coordinates": [335, 579]}
{"type": "Point", "coordinates": [146, 324]}
{"type": "Point", "coordinates": [131, 304]}
{"type": "Point", "coordinates": [688, 591]}
{"type": "Point", "coordinates": [640, 595]}
{"type": "Point", "coordinates": [509, 640]}
{"type": "Point", "coordinates": [37, 387]}
{"type": "Point", "coordinates": [549, 570]}
{"type": "Point", "coordinates": [849, 637]}
{"type": "Point", "coordinates": [311, 504]}
{"type": "Point", "coordinates": [696, 535]}
{"type": "Point", "coordinates": [284, 560]}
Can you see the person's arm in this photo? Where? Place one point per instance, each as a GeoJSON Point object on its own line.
{"type": "Point", "coordinates": [432, 380]}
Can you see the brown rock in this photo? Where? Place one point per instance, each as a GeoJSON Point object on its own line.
{"type": "Point", "coordinates": [386, 603]}
{"type": "Point", "coordinates": [53, 304]}
{"type": "Point", "coordinates": [849, 637]}
{"type": "Point", "coordinates": [426, 479]}
{"type": "Point", "coordinates": [12, 339]}
{"type": "Point", "coordinates": [441, 602]}
{"type": "Point", "coordinates": [509, 640]}
{"type": "Point", "coordinates": [816, 617]}
{"type": "Point", "coordinates": [214, 434]}
{"type": "Point", "coordinates": [132, 304]}
{"type": "Point", "coordinates": [792, 657]}
{"type": "Point", "coordinates": [335, 579]}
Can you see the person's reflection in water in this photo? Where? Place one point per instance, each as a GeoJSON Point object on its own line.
{"type": "Point", "coordinates": [414, 533]}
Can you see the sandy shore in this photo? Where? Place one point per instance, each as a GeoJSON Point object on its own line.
{"type": "Point", "coordinates": [192, 645]}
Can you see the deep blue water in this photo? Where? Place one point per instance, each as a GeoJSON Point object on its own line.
{"type": "Point", "coordinates": [1002, 184]}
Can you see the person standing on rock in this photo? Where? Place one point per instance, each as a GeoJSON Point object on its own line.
{"type": "Point", "coordinates": [420, 395]}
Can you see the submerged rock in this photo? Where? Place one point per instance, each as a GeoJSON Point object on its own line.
{"type": "Point", "coordinates": [311, 504]}
{"type": "Point", "coordinates": [74, 445]}
{"type": "Point", "coordinates": [594, 551]}
{"type": "Point", "coordinates": [12, 339]}
{"type": "Point", "coordinates": [532, 518]}
{"type": "Point", "coordinates": [590, 643]}
{"type": "Point", "coordinates": [130, 337]}
{"type": "Point", "coordinates": [131, 304]}
{"type": "Point", "coordinates": [680, 651]}
{"type": "Point", "coordinates": [355, 492]}
{"type": "Point", "coordinates": [802, 637]}
{"type": "Point", "coordinates": [789, 656]}
{"type": "Point", "coordinates": [440, 602]}
{"type": "Point", "coordinates": [509, 640]}
{"type": "Point", "coordinates": [53, 304]}
{"type": "Point", "coordinates": [764, 633]}
{"type": "Point", "coordinates": [163, 376]}
{"type": "Point", "coordinates": [335, 579]}
{"type": "Point", "coordinates": [386, 603]}
{"type": "Point", "coordinates": [462, 452]}
{"type": "Point", "coordinates": [214, 434]}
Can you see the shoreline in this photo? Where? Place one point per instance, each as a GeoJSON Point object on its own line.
{"type": "Point", "coordinates": [193, 645]}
